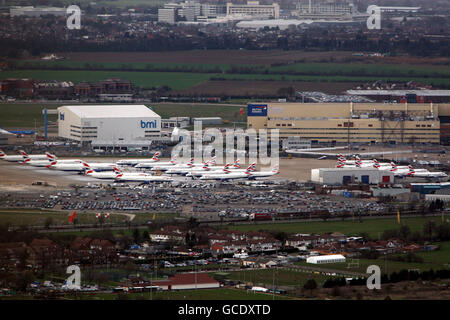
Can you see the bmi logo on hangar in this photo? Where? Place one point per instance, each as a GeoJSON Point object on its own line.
{"type": "Point", "coordinates": [148, 124]}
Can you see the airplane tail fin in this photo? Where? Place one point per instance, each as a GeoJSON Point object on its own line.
{"type": "Point", "coordinates": [24, 154]}
{"type": "Point", "coordinates": [2, 154]}
{"type": "Point", "coordinates": [174, 159]}
{"type": "Point", "coordinates": [156, 156]}
{"type": "Point", "coordinates": [213, 161]}
{"type": "Point", "coordinates": [51, 164]}
{"type": "Point", "coordinates": [25, 160]}
{"type": "Point", "coordinates": [50, 156]}
{"type": "Point", "coordinates": [276, 169]}
{"type": "Point", "coordinates": [252, 167]}
{"type": "Point", "coordinates": [117, 171]}
{"type": "Point", "coordinates": [88, 167]}
{"type": "Point", "coordinates": [237, 163]}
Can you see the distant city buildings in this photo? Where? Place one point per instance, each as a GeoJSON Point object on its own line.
{"type": "Point", "coordinates": [254, 9]}
{"type": "Point", "coordinates": [192, 11]}
{"type": "Point", "coordinates": [31, 11]}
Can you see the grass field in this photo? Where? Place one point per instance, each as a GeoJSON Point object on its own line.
{"type": "Point", "coordinates": [432, 260]}
{"type": "Point", "coordinates": [354, 69]}
{"type": "Point", "coordinates": [25, 115]}
{"type": "Point", "coordinates": [204, 294]}
{"type": "Point", "coordinates": [38, 218]}
{"type": "Point", "coordinates": [334, 78]}
{"type": "Point", "coordinates": [374, 227]}
{"type": "Point", "coordinates": [185, 75]}
{"type": "Point", "coordinates": [175, 80]}
{"type": "Point", "coordinates": [278, 277]}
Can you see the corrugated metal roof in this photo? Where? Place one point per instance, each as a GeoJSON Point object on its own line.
{"type": "Point", "coordinates": [111, 111]}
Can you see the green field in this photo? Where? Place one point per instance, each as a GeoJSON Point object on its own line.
{"type": "Point", "coordinates": [278, 277]}
{"type": "Point", "coordinates": [203, 294]}
{"type": "Point", "coordinates": [348, 69]}
{"type": "Point", "coordinates": [175, 80]}
{"type": "Point", "coordinates": [365, 69]}
{"type": "Point", "coordinates": [435, 260]}
{"type": "Point", "coordinates": [374, 227]}
{"type": "Point", "coordinates": [29, 115]}
{"type": "Point", "coordinates": [138, 66]}
{"type": "Point", "coordinates": [333, 78]}
{"type": "Point", "coordinates": [38, 218]}
{"type": "Point", "coordinates": [183, 76]}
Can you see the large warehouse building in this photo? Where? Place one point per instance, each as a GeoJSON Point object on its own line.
{"type": "Point", "coordinates": [345, 176]}
{"type": "Point", "coordinates": [109, 126]}
{"type": "Point", "coordinates": [347, 123]}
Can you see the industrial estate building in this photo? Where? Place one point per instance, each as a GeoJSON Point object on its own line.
{"type": "Point", "coordinates": [254, 9]}
{"type": "Point", "coordinates": [109, 126]}
{"type": "Point", "coordinates": [347, 123]}
{"type": "Point", "coordinates": [30, 11]}
{"type": "Point", "coordinates": [345, 176]}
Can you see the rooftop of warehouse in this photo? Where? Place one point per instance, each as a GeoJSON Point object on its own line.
{"type": "Point", "coordinates": [112, 111]}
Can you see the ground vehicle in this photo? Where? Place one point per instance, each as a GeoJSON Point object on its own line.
{"type": "Point", "coordinates": [260, 216]}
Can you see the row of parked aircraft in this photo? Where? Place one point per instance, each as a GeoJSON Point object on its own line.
{"type": "Point", "coordinates": [399, 171]}
{"type": "Point", "coordinates": [101, 170]}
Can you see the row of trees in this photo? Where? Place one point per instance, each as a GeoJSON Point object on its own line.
{"type": "Point", "coordinates": [431, 232]}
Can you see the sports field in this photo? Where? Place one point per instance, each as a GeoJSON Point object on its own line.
{"type": "Point", "coordinates": [277, 277]}
{"type": "Point", "coordinates": [184, 80]}
{"type": "Point", "coordinates": [38, 218]}
{"type": "Point", "coordinates": [373, 227]}
{"type": "Point", "coordinates": [435, 260]}
{"type": "Point", "coordinates": [175, 80]}
{"type": "Point", "coordinates": [353, 69]}
{"type": "Point", "coordinates": [204, 294]}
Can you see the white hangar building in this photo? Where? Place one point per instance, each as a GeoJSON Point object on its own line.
{"type": "Point", "coordinates": [332, 258]}
{"type": "Point", "coordinates": [111, 126]}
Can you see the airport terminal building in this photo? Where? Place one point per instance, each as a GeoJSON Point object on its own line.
{"type": "Point", "coordinates": [109, 126]}
{"type": "Point", "coordinates": [346, 123]}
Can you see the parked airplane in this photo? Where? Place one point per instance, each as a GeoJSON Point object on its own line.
{"type": "Point", "coordinates": [130, 174]}
{"type": "Point", "coordinates": [33, 156]}
{"type": "Point", "coordinates": [6, 157]}
{"type": "Point", "coordinates": [218, 170]}
{"type": "Point", "coordinates": [147, 165]}
{"type": "Point", "coordinates": [133, 162]}
{"type": "Point", "coordinates": [403, 171]}
{"type": "Point", "coordinates": [99, 166]}
{"type": "Point", "coordinates": [142, 178]}
{"type": "Point", "coordinates": [263, 174]}
{"type": "Point", "coordinates": [184, 170]}
{"type": "Point", "coordinates": [55, 165]}
{"type": "Point", "coordinates": [52, 157]}
{"type": "Point", "coordinates": [227, 175]}
{"type": "Point", "coordinates": [187, 165]}
{"type": "Point", "coordinates": [428, 174]}
{"type": "Point", "coordinates": [100, 175]}
{"type": "Point", "coordinates": [36, 163]}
